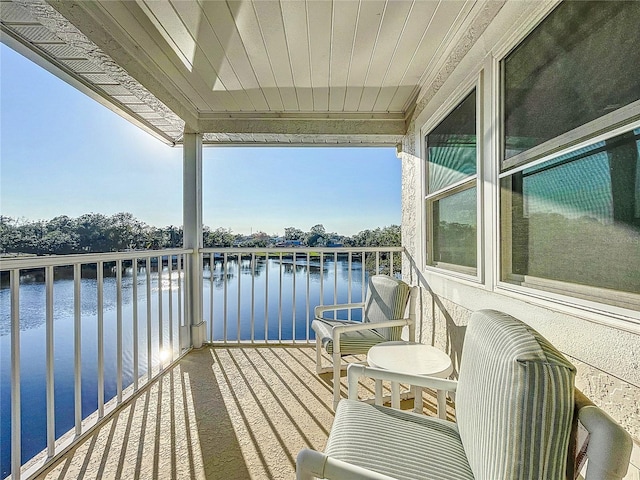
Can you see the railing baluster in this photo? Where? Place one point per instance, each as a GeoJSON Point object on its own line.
{"type": "Point", "coordinates": [119, 352]}
{"type": "Point", "coordinates": [335, 282]}
{"type": "Point", "coordinates": [321, 278]}
{"type": "Point", "coordinates": [100, 286]}
{"type": "Point", "coordinates": [266, 298]}
{"type": "Point", "coordinates": [253, 296]}
{"type": "Point", "coordinates": [239, 290]}
{"type": "Point", "coordinates": [212, 265]}
{"type": "Point", "coordinates": [363, 263]}
{"type": "Point", "coordinates": [51, 411]}
{"type": "Point", "coordinates": [307, 297]}
{"type": "Point", "coordinates": [180, 313]}
{"type": "Point", "coordinates": [160, 319]}
{"type": "Point", "coordinates": [134, 294]}
{"type": "Point", "coordinates": [148, 275]}
{"type": "Point", "coordinates": [349, 276]}
{"type": "Point", "coordinates": [224, 315]}
{"type": "Point", "coordinates": [16, 418]}
{"type": "Point", "coordinates": [77, 315]}
{"type": "Point", "coordinates": [293, 301]}
{"type": "Point", "coordinates": [391, 264]}
{"type": "Point", "coordinates": [170, 273]}
{"type": "Point", "coordinates": [377, 262]}
{"type": "Point", "coordinates": [280, 303]}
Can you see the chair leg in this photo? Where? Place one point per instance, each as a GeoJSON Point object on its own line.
{"type": "Point", "coordinates": [337, 360]}
{"type": "Point", "coordinates": [319, 369]}
{"type": "Point", "coordinates": [378, 399]}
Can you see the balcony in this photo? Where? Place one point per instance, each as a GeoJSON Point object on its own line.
{"type": "Point", "coordinates": [104, 382]}
{"type": "Point", "coordinates": [157, 66]}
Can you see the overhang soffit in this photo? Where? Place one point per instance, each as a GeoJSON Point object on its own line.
{"type": "Point", "coordinates": [41, 32]}
{"type": "Point", "coordinates": [478, 21]}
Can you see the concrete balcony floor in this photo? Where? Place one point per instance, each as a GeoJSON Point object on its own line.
{"type": "Point", "coordinates": [219, 413]}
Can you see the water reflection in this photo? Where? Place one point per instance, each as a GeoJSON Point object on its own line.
{"type": "Point", "coordinates": [32, 298]}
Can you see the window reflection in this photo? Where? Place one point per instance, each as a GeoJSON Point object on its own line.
{"type": "Point", "coordinates": [580, 63]}
{"type": "Point", "coordinates": [455, 229]}
{"type": "Point", "coordinates": [451, 146]}
{"type": "Point", "coordinates": [577, 218]}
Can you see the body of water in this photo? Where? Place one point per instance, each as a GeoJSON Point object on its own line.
{"type": "Point", "coordinates": [272, 304]}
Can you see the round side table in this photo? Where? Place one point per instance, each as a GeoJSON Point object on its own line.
{"type": "Point", "coordinates": [415, 359]}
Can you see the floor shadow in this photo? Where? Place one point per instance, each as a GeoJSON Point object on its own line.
{"type": "Point", "coordinates": [234, 412]}
{"type": "Point", "coordinates": [219, 446]}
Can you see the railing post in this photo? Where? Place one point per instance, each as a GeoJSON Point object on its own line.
{"type": "Point", "coordinates": [192, 221]}
{"type": "Point", "coordinates": [16, 417]}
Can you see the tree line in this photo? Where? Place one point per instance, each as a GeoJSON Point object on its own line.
{"type": "Point", "coordinates": [97, 233]}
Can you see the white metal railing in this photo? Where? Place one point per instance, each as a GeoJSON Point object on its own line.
{"type": "Point", "coordinates": [164, 345]}
{"type": "Point", "coordinates": [267, 295]}
{"type": "Point", "coordinates": [253, 295]}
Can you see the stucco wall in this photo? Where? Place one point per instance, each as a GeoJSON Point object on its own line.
{"type": "Point", "coordinates": [443, 324]}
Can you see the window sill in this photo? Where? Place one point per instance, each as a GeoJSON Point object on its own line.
{"type": "Point", "coordinates": [572, 301]}
{"type": "Point", "coordinates": [451, 271]}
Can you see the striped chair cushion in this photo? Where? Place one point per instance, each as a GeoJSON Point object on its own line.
{"type": "Point", "coordinates": [386, 300]}
{"type": "Point", "coordinates": [350, 342]}
{"type": "Point", "coordinates": [396, 443]}
{"type": "Point", "coordinates": [514, 402]}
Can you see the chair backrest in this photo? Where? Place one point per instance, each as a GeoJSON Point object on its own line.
{"type": "Point", "coordinates": [386, 300]}
{"type": "Point", "coordinates": [514, 402]}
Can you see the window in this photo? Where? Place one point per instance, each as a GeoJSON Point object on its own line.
{"type": "Point", "coordinates": [451, 160]}
{"type": "Point", "coordinates": [575, 220]}
{"type": "Point", "coordinates": [570, 217]}
{"type": "Point", "coordinates": [580, 64]}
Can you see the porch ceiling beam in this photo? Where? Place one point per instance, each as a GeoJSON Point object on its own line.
{"type": "Point", "coordinates": [332, 126]}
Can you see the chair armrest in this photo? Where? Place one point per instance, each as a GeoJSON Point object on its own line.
{"type": "Point", "coordinates": [340, 329]}
{"type": "Point", "coordinates": [311, 464]}
{"type": "Point", "coordinates": [355, 372]}
{"type": "Point", "coordinates": [351, 327]}
{"type": "Point", "coordinates": [345, 306]}
{"type": "Point", "coordinates": [609, 448]}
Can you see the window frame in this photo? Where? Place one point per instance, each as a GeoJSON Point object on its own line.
{"type": "Point", "coordinates": [428, 198]}
{"type": "Point", "coordinates": [602, 128]}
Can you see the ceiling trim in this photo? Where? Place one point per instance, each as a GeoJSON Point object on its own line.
{"type": "Point", "coordinates": [207, 116]}
{"type": "Point", "coordinates": [289, 126]}
{"type": "Point", "coordinates": [300, 139]}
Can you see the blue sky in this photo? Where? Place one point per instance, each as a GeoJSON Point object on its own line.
{"type": "Point", "coordinates": [62, 153]}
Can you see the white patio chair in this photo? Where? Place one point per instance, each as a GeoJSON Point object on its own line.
{"type": "Point", "coordinates": [517, 414]}
{"type": "Point", "coordinates": [383, 318]}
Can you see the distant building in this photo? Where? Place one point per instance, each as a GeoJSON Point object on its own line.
{"type": "Point", "coordinates": [289, 243]}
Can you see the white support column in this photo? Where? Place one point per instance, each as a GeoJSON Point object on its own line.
{"type": "Point", "coordinates": [192, 219]}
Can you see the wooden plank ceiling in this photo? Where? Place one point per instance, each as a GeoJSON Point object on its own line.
{"type": "Point", "coordinates": [242, 71]}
